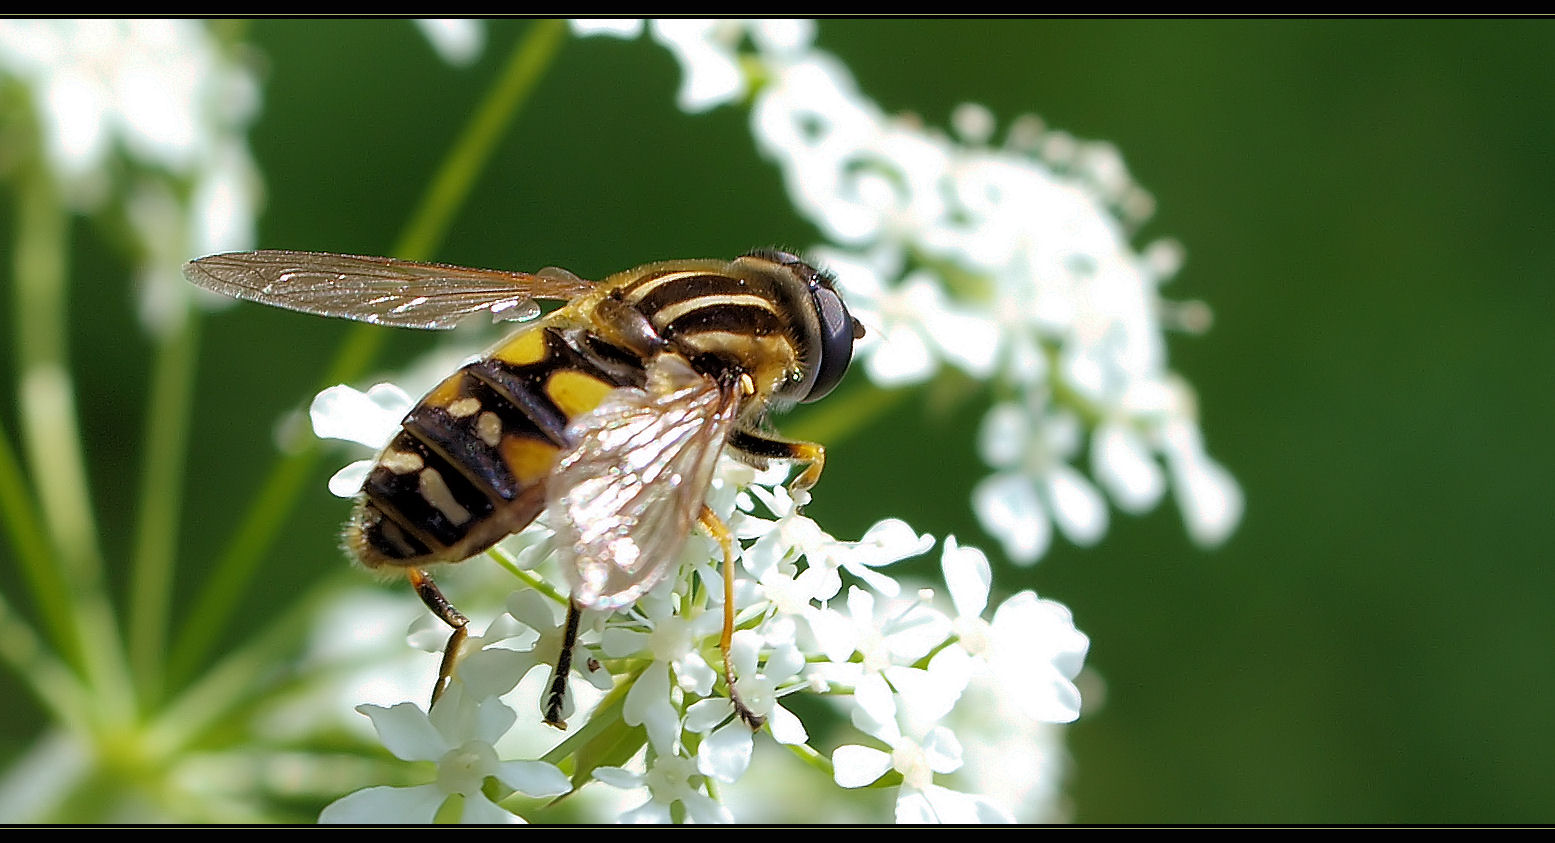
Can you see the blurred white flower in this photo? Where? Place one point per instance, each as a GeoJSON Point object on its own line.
{"type": "Point", "coordinates": [1209, 496]}
{"type": "Point", "coordinates": [165, 96]}
{"type": "Point", "coordinates": [1035, 485]}
{"type": "Point", "coordinates": [458, 41]}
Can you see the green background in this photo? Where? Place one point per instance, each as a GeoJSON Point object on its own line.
{"type": "Point", "coordinates": [1366, 205]}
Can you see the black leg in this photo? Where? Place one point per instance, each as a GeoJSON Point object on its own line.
{"type": "Point", "coordinates": [427, 590]}
{"type": "Point", "coordinates": [558, 692]}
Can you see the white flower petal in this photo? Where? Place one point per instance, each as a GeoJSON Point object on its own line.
{"type": "Point", "coordinates": [705, 810]}
{"type": "Point", "coordinates": [705, 715]}
{"type": "Point", "coordinates": [726, 753]}
{"type": "Point", "coordinates": [786, 728]}
{"type": "Point", "coordinates": [1210, 499]}
{"type": "Point", "coordinates": [711, 72]}
{"type": "Point", "coordinates": [533, 778]}
{"type": "Point", "coordinates": [651, 812]}
{"type": "Point", "coordinates": [1077, 507]}
{"type": "Point", "coordinates": [478, 810]}
{"type": "Point", "coordinates": [1007, 506]}
{"type": "Point", "coordinates": [1126, 468]}
{"type": "Point", "coordinates": [648, 705]}
{"type": "Point", "coordinates": [942, 750]}
{"type": "Point", "coordinates": [1003, 435]}
{"type": "Point", "coordinates": [618, 777]}
{"type": "Point", "coordinates": [856, 766]}
{"type": "Point", "coordinates": [925, 696]}
{"type": "Point", "coordinates": [875, 709]}
{"type": "Point", "coordinates": [406, 732]}
{"type": "Point", "coordinates": [899, 356]}
{"type": "Point", "coordinates": [385, 806]}
{"type": "Point", "coordinates": [967, 576]}
{"type": "Point", "coordinates": [369, 418]}
{"type": "Point", "coordinates": [347, 482]}
{"type": "Point", "coordinates": [612, 27]}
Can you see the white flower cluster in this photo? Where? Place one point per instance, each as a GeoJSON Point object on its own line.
{"type": "Point", "coordinates": [1008, 262]}
{"type": "Point", "coordinates": [163, 95]}
{"type": "Point", "coordinates": [815, 615]}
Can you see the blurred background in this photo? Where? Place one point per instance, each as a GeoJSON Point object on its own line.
{"type": "Point", "coordinates": [1365, 205]}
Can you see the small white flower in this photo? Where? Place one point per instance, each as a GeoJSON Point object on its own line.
{"type": "Point", "coordinates": [936, 752]}
{"type": "Point", "coordinates": [726, 752]}
{"type": "Point", "coordinates": [673, 642]}
{"type": "Point", "coordinates": [788, 537]}
{"type": "Point", "coordinates": [1031, 649]}
{"type": "Point", "coordinates": [669, 779]}
{"type": "Point", "coordinates": [1035, 485]}
{"type": "Point", "coordinates": [888, 637]}
{"type": "Point", "coordinates": [458, 737]}
{"type": "Point", "coordinates": [885, 543]}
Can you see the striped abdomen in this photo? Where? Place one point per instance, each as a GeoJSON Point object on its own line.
{"type": "Point", "coordinates": [470, 464]}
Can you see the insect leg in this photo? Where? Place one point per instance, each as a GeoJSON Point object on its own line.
{"type": "Point", "coordinates": [427, 590]}
{"type": "Point", "coordinates": [766, 447]}
{"type": "Point", "coordinates": [558, 692]}
{"type": "Point", "coordinates": [720, 531]}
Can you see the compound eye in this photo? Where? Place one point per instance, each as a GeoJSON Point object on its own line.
{"type": "Point", "coordinates": [837, 334]}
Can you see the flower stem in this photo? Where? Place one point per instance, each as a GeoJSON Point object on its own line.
{"type": "Point", "coordinates": [53, 683]}
{"type": "Point", "coordinates": [538, 583]}
{"type": "Point", "coordinates": [45, 579]}
{"type": "Point", "coordinates": [232, 682]}
{"type": "Point", "coordinates": [51, 436]}
{"type": "Point", "coordinates": [445, 194]}
{"type": "Point", "coordinates": [451, 186]}
{"type": "Point", "coordinates": [161, 498]}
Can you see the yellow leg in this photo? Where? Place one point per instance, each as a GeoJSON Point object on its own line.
{"type": "Point", "coordinates": [815, 455]}
{"type": "Point", "coordinates": [720, 531]}
{"type": "Point", "coordinates": [764, 446]}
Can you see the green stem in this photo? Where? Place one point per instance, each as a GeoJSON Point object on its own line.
{"type": "Point", "coordinates": [50, 680]}
{"type": "Point", "coordinates": [50, 591]}
{"type": "Point", "coordinates": [529, 578]}
{"type": "Point", "coordinates": [488, 125]}
{"type": "Point", "coordinates": [233, 681]}
{"type": "Point", "coordinates": [51, 436]}
{"type": "Point", "coordinates": [446, 193]}
{"type": "Point", "coordinates": [808, 754]}
{"type": "Point", "coordinates": [161, 500]}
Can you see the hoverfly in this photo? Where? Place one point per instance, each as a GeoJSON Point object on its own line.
{"type": "Point", "coordinates": [610, 412]}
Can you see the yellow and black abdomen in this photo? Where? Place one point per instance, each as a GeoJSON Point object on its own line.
{"type": "Point", "coordinates": [470, 464]}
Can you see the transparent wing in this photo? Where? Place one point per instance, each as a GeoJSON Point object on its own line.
{"type": "Point", "coordinates": [625, 497]}
{"type": "Point", "coordinates": [385, 291]}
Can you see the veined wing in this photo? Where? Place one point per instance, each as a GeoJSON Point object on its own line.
{"type": "Point", "coordinates": [626, 496]}
{"type": "Point", "coordinates": [385, 291]}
